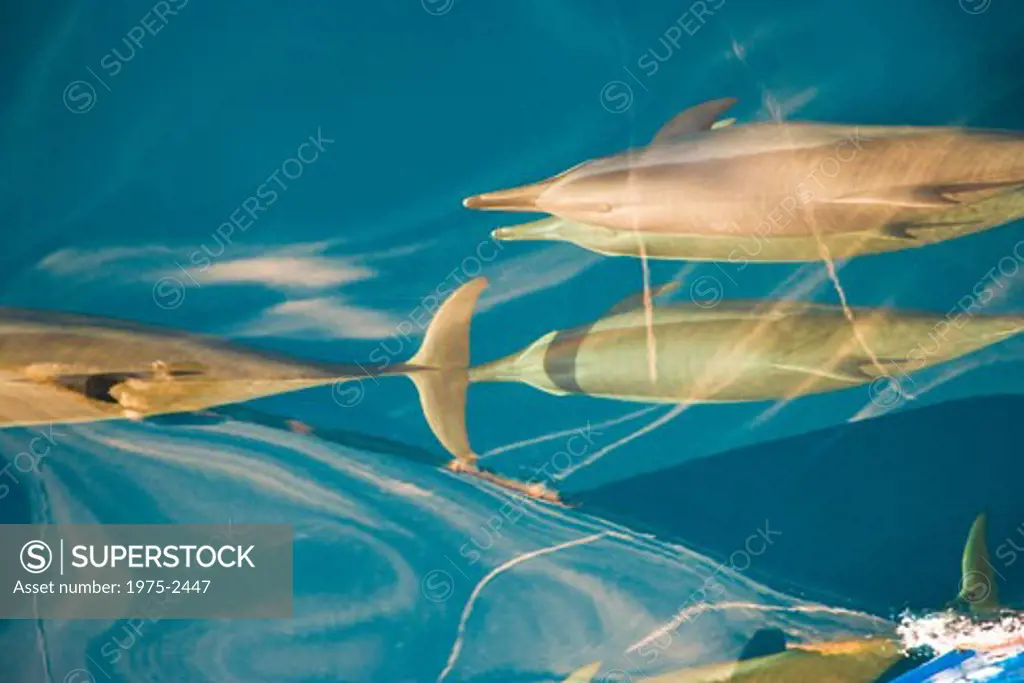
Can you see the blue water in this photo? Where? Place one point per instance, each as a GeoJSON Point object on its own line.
{"type": "Point", "coordinates": [120, 168]}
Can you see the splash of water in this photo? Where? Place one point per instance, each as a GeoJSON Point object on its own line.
{"type": "Point", "coordinates": [947, 631]}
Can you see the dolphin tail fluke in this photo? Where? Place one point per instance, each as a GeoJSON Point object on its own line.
{"type": "Point", "coordinates": [978, 582]}
{"type": "Point", "coordinates": [441, 371]}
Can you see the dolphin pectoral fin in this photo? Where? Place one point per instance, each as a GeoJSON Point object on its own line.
{"type": "Point", "coordinates": [850, 374]}
{"type": "Point", "coordinates": [978, 582]}
{"type": "Point", "coordinates": [694, 120]}
{"type": "Point", "coordinates": [584, 674]}
{"type": "Point", "coordinates": [969, 193]}
{"type": "Point", "coordinates": [930, 196]}
{"type": "Point", "coordinates": [636, 301]}
{"type": "Point", "coordinates": [901, 231]}
{"type": "Point", "coordinates": [906, 197]}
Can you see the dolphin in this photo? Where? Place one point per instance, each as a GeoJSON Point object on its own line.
{"type": "Point", "coordinates": [69, 368]}
{"type": "Point", "coordinates": [862, 660]}
{"type": "Point", "coordinates": [57, 367]}
{"type": "Point", "coordinates": [763, 246]}
{"type": "Point", "coordinates": [806, 178]}
{"type": "Point", "coordinates": [740, 350]}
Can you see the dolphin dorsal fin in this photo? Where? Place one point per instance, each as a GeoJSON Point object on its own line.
{"type": "Point", "coordinates": [585, 674]}
{"type": "Point", "coordinates": [765, 642]}
{"type": "Point", "coordinates": [635, 301]}
{"type": "Point", "coordinates": [694, 120]}
{"type": "Point", "coordinates": [977, 582]}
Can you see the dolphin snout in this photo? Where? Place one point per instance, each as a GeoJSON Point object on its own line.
{"type": "Point", "coordinates": [503, 200]}
{"type": "Point", "coordinates": [477, 201]}
{"type": "Point", "coordinates": [544, 229]}
{"type": "Point", "coordinates": [523, 198]}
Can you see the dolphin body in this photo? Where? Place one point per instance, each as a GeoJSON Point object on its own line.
{"type": "Point", "coordinates": [740, 350]}
{"type": "Point", "coordinates": [762, 246]}
{"type": "Point", "coordinates": [699, 178]}
{"type": "Point", "coordinates": [57, 367]}
{"type": "Point", "coordinates": [864, 660]}
{"type": "Point", "coordinates": [71, 368]}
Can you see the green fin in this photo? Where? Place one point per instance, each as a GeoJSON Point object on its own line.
{"type": "Point", "coordinates": [978, 582]}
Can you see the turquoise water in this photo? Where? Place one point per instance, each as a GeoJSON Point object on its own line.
{"type": "Point", "coordinates": [122, 166]}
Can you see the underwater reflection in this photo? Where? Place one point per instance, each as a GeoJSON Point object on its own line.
{"type": "Point", "coordinates": [382, 548]}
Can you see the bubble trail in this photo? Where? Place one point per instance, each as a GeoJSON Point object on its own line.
{"type": "Point", "coordinates": [654, 424]}
{"type": "Point", "coordinates": [694, 610]}
{"type": "Point", "coordinates": [519, 559]}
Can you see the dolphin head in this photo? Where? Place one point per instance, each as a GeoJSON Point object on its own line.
{"type": "Point", "coordinates": [581, 192]}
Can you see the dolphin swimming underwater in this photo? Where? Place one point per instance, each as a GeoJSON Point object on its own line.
{"type": "Point", "coordinates": [71, 368]}
{"type": "Point", "coordinates": [740, 350]}
{"type": "Point", "coordinates": [61, 368]}
{"type": "Point", "coordinates": [762, 246]}
{"type": "Point", "coordinates": [698, 178]}
{"type": "Point", "coordinates": [863, 660]}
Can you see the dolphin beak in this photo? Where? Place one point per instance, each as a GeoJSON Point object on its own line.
{"type": "Point", "coordinates": [513, 199]}
{"type": "Point", "coordinates": [487, 200]}
{"type": "Point", "coordinates": [544, 229]}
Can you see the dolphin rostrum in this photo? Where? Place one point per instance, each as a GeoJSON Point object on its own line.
{"type": "Point", "coordinates": [862, 660]}
{"type": "Point", "coordinates": [698, 178]}
{"type": "Point", "coordinates": [57, 367]}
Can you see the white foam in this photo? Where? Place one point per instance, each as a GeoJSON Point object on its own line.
{"type": "Point", "coordinates": [947, 631]}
